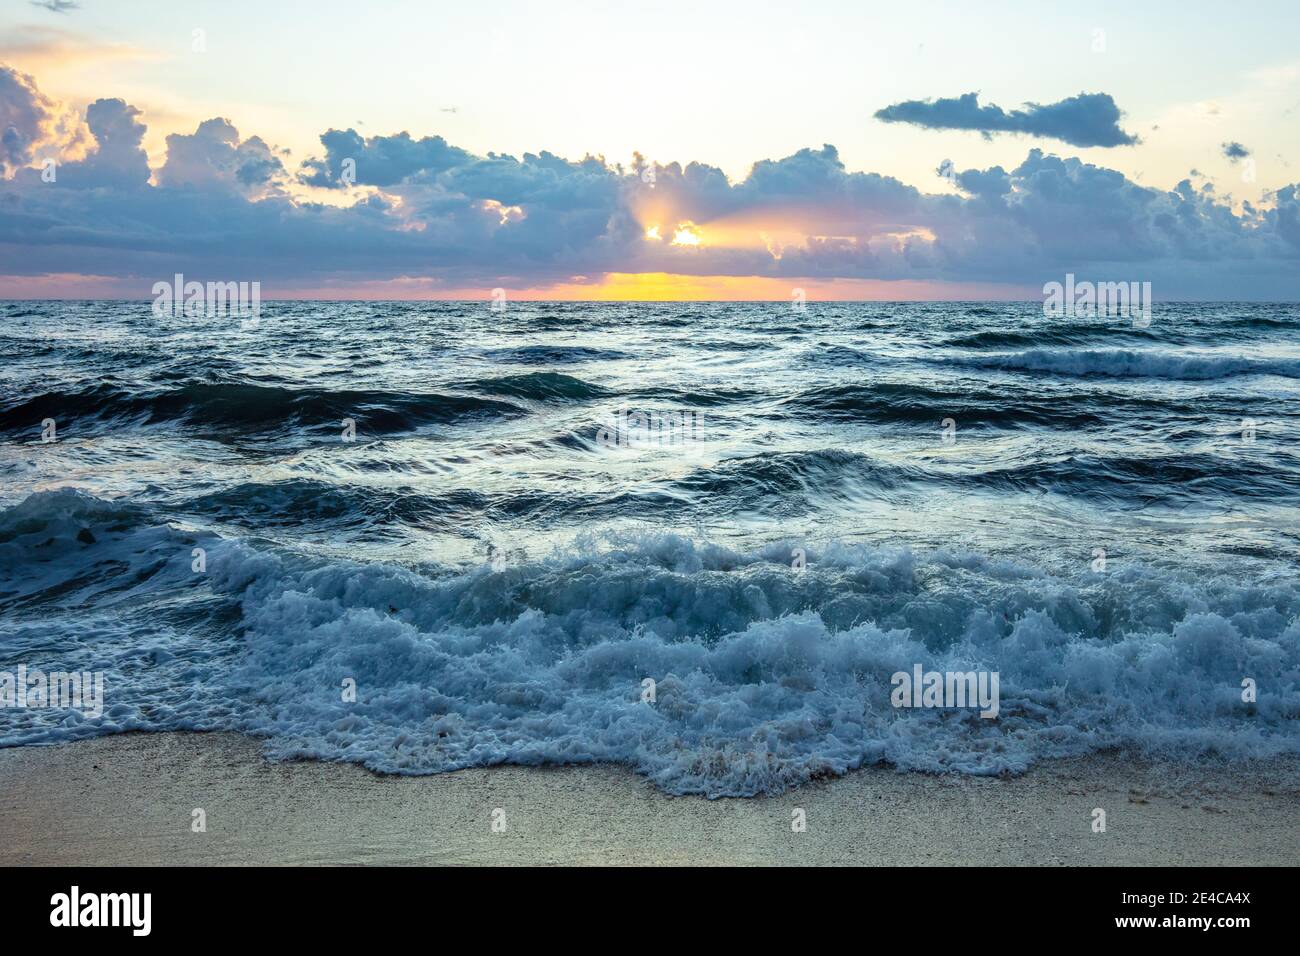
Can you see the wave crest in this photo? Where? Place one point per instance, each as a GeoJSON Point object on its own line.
{"type": "Point", "coordinates": [765, 676]}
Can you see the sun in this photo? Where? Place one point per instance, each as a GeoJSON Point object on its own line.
{"type": "Point", "coordinates": [652, 232]}
{"type": "Point", "coordinates": [686, 235]}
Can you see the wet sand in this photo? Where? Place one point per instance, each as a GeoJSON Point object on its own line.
{"type": "Point", "coordinates": [129, 799]}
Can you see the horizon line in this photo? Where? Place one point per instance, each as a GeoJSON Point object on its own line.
{"type": "Point", "coordinates": [489, 300]}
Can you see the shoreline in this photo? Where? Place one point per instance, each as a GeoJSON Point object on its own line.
{"type": "Point", "coordinates": [129, 799]}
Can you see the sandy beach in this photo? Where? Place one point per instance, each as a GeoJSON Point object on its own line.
{"type": "Point", "coordinates": [130, 799]}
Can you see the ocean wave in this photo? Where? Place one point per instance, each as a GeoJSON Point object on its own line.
{"type": "Point", "coordinates": [826, 355]}
{"type": "Point", "coordinates": [1123, 363]}
{"type": "Point", "coordinates": [764, 676]}
{"type": "Point", "coordinates": [915, 403]}
{"type": "Point", "coordinates": [1052, 335]}
{"type": "Point", "coordinates": [248, 407]}
{"type": "Point", "coordinates": [793, 483]}
{"type": "Point", "coordinates": [803, 482]}
{"type": "Point", "coordinates": [731, 345]}
{"type": "Point", "coordinates": [1138, 477]}
{"type": "Point", "coordinates": [684, 399]}
{"type": "Point", "coordinates": [538, 386]}
{"type": "Point", "coordinates": [552, 354]}
{"type": "Point", "coordinates": [386, 510]}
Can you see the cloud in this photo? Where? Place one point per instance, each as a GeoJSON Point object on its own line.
{"type": "Point", "coordinates": [32, 123]}
{"type": "Point", "coordinates": [119, 161]}
{"type": "Point", "coordinates": [57, 6]}
{"type": "Point", "coordinates": [378, 161]}
{"type": "Point", "coordinates": [426, 214]}
{"type": "Point", "coordinates": [1235, 151]}
{"type": "Point", "coordinates": [1285, 216]}
{"type": "Point", "coordinates": [1089, 119]}
{"type": "Point", "coordinates": [49, 49]}
{"type": "Point", "coordinates": [215, 159]}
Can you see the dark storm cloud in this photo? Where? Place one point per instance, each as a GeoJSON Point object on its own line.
{"type": "Point", "coordinates": [1089, 119]}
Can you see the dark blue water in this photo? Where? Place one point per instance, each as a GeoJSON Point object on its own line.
{"type": "Point", "coordinates": [766, 512]}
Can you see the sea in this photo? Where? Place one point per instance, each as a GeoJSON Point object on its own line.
{"type": "Point", "coordinates": [699, 540]}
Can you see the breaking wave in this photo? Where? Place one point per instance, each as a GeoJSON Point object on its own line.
{"type": "Point", "coordinates": [764, 677]}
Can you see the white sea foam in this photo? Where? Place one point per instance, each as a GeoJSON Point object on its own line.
{"type": "Point", "coordinates": [764, 677]}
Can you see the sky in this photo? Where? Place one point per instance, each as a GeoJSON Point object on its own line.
{"type": "Point", "coordinates": [649, 150]}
